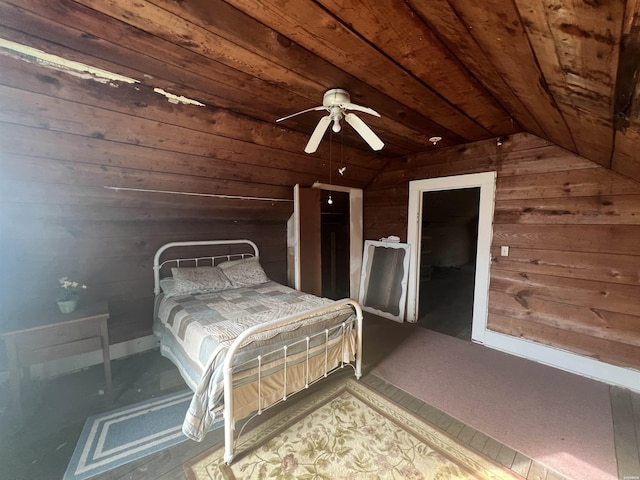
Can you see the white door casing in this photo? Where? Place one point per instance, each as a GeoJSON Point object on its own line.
{"type": "Point", "coordinates": [487, 183]}
{"type": "Point", "coordinates": [356, 232]}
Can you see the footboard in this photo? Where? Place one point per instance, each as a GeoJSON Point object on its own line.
{"type": "Point", "coordinates": [345, 329]}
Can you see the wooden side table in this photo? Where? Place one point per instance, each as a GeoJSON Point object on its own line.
{"type": "Point", "coordinates": [63, 335]}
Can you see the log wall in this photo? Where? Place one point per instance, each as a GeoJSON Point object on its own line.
{"type": "Point", "coordinates": [63, 139]}
{"type": "Point", "coordinates": [572, 277]}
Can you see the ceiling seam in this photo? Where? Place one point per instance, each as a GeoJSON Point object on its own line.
{"type": "Point", "coordinates": [543, 83]}
{"type": "Point", "coordinates": [533, 117]}
{"type": "Point", "coordinates": [473, 78]}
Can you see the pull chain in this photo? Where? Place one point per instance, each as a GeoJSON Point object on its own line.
{"type": "Point", "coordinates": [330, 200]}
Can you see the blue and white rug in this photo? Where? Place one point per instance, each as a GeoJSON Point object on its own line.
{"type": "Point", "coordinates": [120, 436]}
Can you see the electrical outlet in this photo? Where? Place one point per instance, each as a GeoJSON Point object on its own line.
{"type": "Point", "coordinates": [504, 251]}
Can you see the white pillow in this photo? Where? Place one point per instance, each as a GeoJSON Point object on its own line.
{"type": "Point", "coordinates": [245, 272]}
{"type": "Point", "coordinates": [188, 281]}
{"type": "Point", "coordinates": [168, 286]}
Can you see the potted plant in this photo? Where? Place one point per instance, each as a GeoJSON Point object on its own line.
{"type": "Point", "coordinates": [68, 294]}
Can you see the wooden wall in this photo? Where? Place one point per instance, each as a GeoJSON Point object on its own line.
{"type": "Point", "coordinates": [63, 139]}
{"type": "Point", "coordinates": [572, 277]}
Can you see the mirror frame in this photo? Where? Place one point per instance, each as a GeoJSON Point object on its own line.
{"type": "Point", "coordinates": [367, 264]}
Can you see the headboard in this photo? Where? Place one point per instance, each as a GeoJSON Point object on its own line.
{"type": "Point", "coordinates": [197, 261]}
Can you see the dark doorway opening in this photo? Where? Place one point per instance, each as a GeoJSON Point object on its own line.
{"type": "Point", "coordinates": [335, 244]}
{"type": "Point", "coordinates": [448, 260]}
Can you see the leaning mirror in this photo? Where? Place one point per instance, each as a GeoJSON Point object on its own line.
{"type": "Point", "coordinates": [383, 283]}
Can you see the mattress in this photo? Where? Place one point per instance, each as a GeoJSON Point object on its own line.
{"type": "Point", "coordinates": [195, 332]}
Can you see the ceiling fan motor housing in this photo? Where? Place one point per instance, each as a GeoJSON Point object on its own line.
{"type": "Point", "coordinates": [335, 97]}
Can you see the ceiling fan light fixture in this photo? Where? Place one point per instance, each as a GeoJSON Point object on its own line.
{"type": "Point", "coordinates": [337, 103]}
{"type": "Point", "coordinates": [435, 140]}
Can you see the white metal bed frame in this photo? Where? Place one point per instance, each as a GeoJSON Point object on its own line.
{"type": "Point", "coordinates": [229, 420]}
{"type": "Point", "coordinates": [195, 261]}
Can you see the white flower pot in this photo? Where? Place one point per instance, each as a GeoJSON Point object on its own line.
{"type": "Point", "coordinates": [67, 306]}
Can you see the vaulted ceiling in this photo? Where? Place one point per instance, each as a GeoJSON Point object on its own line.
{"type": "Point", "coordinates": [463, 70]}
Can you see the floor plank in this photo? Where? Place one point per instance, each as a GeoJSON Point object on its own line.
{"type": "Point", "coordinates": [506, 456]}
{"type": "Point", "coordinates": [537, 472]}
{"type": "Point", "coordinates": [492, 448]}
{"type": "Point", "coordinates": [521, 464]}
{"type": "Point", "coordinates": [455, 427]}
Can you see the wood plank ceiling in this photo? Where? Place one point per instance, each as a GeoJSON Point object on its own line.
{"type": "Point", "coordinates": [459, 69]}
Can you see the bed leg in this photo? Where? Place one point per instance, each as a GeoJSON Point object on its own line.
{"type": "Point", "coordinates": [359, 320]}
{"type": "Point", "coordinates": [228, 443]}
{"type": "Point", "coordinates": [229, 421]}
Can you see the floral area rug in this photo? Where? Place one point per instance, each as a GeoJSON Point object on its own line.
{"type": "Point", "coordinates": [348, 432]}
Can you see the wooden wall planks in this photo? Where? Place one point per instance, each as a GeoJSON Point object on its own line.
{"type": "Point", "coordinates": [113, 257]}
{"type": "Point", "coordinates": [63, 139]}
{"type": "Point", "coordinates": [572, 277]}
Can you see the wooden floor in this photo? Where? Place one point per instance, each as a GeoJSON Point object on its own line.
{"type": "Point", "coordinates": [40, 446]}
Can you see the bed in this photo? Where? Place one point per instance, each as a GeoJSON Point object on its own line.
{"type": "Point", "coordinates": [241, 341]}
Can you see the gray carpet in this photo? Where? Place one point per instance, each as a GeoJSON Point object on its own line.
{"type": "Point", "coordinates": [560, 419]}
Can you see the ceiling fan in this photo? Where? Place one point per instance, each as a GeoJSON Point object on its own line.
{"type": "Point", "coordinates": [337, 101]}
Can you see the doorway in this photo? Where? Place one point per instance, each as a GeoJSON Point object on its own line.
{"type": "Point", "coordinates": [449, 235]}
{"type": "Point", "coordinates": [312, 229]}
{"type": "Point", "coordinates": [334, 244]}
{"type": "Point", "coordinates": [482, 185]}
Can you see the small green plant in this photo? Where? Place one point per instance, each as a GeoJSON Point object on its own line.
{"type": "Point", "coordinates": [69, 289]}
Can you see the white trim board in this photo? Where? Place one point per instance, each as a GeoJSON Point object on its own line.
{"type": "Point", "coordinates": [293, 239]}
{"type": "Point", "coordinates": [551, 356]}
{"type": "Point", "coordinates": [564, 360]}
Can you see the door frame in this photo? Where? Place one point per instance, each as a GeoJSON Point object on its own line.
{"type": "Point", "coordinates": [356, 233]}
{"type": "Point", "coordinates": [486, 181]}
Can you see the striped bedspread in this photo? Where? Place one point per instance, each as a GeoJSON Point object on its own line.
{"type": "Point", "coordinates": [195, 332]}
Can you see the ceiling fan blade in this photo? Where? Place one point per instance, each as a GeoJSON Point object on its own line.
{"type": "Point", "coordinates": [364, 131]}
{"type": "Point", "coordinates": [299, 113]}
{"type": "Point", "coordinates": [359, 108]}
{"type": "Point", "coordinates": [317, 134]}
